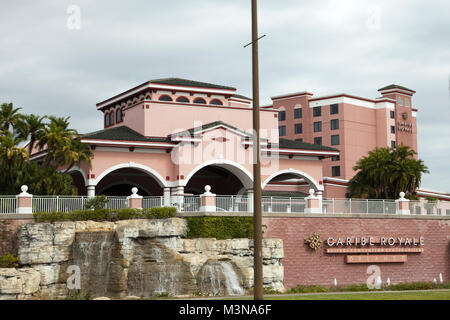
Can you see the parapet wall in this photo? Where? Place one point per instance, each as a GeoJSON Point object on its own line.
{"type": "Point", "coordinates": [306, 266]}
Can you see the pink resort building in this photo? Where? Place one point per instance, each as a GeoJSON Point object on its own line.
{"type": "Point", "coordinates": [172, 137]}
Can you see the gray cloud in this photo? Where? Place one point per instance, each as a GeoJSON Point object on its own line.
{"type": "Point", "coordinates": [321, 46]}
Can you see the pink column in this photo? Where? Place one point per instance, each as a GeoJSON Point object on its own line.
{"type": "Point", "coordinates": [24, 201]}
{"type": "Point", "coordinates": [402, 205]}
{"type": "Point", "coordinates": [312, 203]}
{"type": "Point", "coordinates": [208, 200]}
{"type": "Point", "coordinates": [135, 200]}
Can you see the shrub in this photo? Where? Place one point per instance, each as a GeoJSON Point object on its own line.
{"type": "Point", "coordinates": [105, 215]}
{"type": "Point", "coordinates": [49, 216]}
{"type": "Point", "coordinates": [94, 215]}
{"type": "Point", "coordinates": [160, 213]}
{"type": "Point", "coordinates": [412, 286]}
{"type": "Point", "coordinates": [219, 227]}
{"type": "Point", "coordinates": [354, 288]}
{"type": "Point", "coordinates": [128, 213]}
{"type": "Point", "coordinates": [308, 289]}
{"type": "Point", "coordinates": [96, 203]}
{"type": "Point", "coordinates": [9, 261]}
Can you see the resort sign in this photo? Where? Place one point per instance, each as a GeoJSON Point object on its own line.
{"type": "Point", "coordinates": [369, 249]}
{"type": "Point", "coordinates": [371, 241]}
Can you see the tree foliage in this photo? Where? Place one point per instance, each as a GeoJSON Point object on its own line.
{"type": "Point", "coordinates": [61, 148]}
{"type": "Point", "coordinates": [386, 172]}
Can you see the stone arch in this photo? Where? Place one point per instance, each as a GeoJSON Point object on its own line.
{"type": "Point", "coordinates": [315, 185]}
{"type": "Point", "coordinates": [151, 172]}
{"type": "Point", "coordinates": [78, 169]}
{"type": "Point", "coordinates": [238, 170]}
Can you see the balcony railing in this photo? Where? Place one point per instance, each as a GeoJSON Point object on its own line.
{"type": "Point", "coordinates": [227, 203]}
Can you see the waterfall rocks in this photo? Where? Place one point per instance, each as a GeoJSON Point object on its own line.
{"type": "Point", "coordinates": [138, 258]}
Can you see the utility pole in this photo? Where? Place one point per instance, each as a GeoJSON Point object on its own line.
{"type": "Point", "coordinates": [257, 215]}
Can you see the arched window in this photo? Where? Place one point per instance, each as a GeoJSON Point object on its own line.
{"type": "Point", "coordinates": [216, 102]}
{"type": "Point", "coordinates": [200, 101]}
{"type": "Point", "coordinates": [183, 100]}
{"type": "Point", "coordinates": [111, 118]}
{"type": "Point", "coordinates": [165, 98]}
{"type": "Point", "coordinates": [119, 115]}
{"type": "Point", "coordinates": [106, 119]}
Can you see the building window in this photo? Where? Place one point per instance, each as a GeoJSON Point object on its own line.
{"type": "Point", "coordinates": [119, 115]}
{"type": "Point", "coordinates": [317, 111]}
{"type": "Point", "coordinates": [400, 101]}
{"type": "Point", "coordinates": [111, 118]}
{"type": "Point", "coordinates": [183, 100]}
{"type": "Point", "coordinates": [392, 129]}
{"type": "Point", "coordinates": [282, 131]}
{"type": "Point", "coordinates": [392, 144]}
{"type": "Point", "coordinates": [447, 212]}
{"type": "Point", "coordinates": [298, 128]}
{"type": "Point", "coordinates": [318, 141]}
{"type": "Point", "coordinates": [336, 171]}
{"type": "Point", "coordinates": [334, 109]}
{"type": "Point", "coordinates": [334, 124]}
{"type": "Point", "coordinates": [298, 113]}
{"type": "Point", "coordinates": [106, 119]}
{"type": "Point", "coordinates": [281, 115]}
{"type": "Point", "coordinates": [216, 102]}
{"type": "Point", "coordinates": [335, 140]}
{"type": "Point", "coordinates": [335, 158]}
{"type": "Point", "coordinates": [200, 101]}
{"type": "Point", "coordinates": [165, 98]}
{"type": "Point", "coordinates": [392, 114]}
{"type": "Point", "coordinates": [299, 140]}
{"type": "Point", "coordinates": [318, 126]}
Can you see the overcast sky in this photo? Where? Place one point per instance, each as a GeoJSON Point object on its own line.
{"type": "Point", "coordinates": [324, 46]}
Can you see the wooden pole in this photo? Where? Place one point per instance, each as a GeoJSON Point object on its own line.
{"type": "Point", "coordinates": [257, 216]}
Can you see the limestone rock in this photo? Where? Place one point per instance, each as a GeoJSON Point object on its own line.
{"type": "Point", "coordinates": [19, 281]}
{"type": "Point", "coordinates": [49, 273]}
{"type": "Point", "coordinates": [94, 226]}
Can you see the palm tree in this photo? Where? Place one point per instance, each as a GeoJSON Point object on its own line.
{"type": "Point", "coordinates": [386, 172]}
{"type": "Point", "coordinates": [32, 127]}
{"type": "Point", "coordinates": [57, 139]}
{"type": "Point", "coordinates": [11, 156]}
{"type": "Point", "coordinates": [9, 117]}
{"type": "Point", "coordinates": [79, 152]}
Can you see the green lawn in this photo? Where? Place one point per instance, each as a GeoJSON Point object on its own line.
{"type": "Point", "coordinates": [399, 295]}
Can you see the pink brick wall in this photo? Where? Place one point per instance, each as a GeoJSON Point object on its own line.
{"type": "Point", "coordinates": [8, 234]}
{"type": "Point", "coordinates": [303, 265]}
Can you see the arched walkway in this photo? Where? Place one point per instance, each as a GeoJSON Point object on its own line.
{"type": "Point", "coordinates": [293, 174]}
{"type": "Point", "coordinates": [120, 182]}
{"type": "Point", "coordinates": [149, 171]}
{"type": "Point", "coordinates": [239, 171]}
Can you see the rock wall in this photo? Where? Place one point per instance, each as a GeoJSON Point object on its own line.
{"type": "Point", "coordinates": [133, 258]}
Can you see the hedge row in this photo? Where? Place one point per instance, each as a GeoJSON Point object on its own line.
{"type": "Point", "coordinates": [106, 214]}
{"type": "Point", "coordinates": [363, 287]}
{"type": "Point", "coordinates": [219, 227]}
